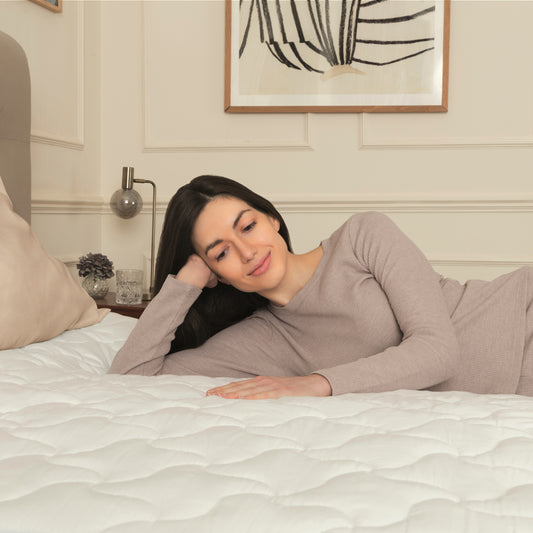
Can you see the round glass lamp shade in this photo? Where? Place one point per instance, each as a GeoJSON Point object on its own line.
{"type": "Point", "coordinates": [126, 203]}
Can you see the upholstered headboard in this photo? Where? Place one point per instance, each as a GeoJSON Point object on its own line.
{"type": "Point", "coordinates": [15, 123]}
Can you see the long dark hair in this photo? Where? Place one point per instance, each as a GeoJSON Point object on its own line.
{"type": "Point", "coordinates": [223, 305]}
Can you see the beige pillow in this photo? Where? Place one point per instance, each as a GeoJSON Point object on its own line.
{"type": "Point", "coordinates": [39, 298]}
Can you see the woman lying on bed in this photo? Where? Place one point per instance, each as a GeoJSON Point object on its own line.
{"type": "Point", "coordinates": [362, 312]}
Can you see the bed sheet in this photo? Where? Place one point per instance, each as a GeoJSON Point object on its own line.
{"type": "Point", "coordinates": [83, 451]}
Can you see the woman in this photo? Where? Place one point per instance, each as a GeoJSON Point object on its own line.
{"type": "Point", "coordinates": [362, 312]}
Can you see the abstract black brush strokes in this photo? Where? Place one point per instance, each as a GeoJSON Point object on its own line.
{"type": "Point", "coordinates": [319, 35]}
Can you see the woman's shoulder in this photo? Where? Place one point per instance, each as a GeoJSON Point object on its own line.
{"type": "Point", "coordinates": [363, 233]}
{"type": "Point", "coordinates": [365, 222]}
{"type": "Point", "coordinates": [369, 219]}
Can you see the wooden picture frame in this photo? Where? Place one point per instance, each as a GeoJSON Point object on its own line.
{"type": "Point", "coordinates": [52, 5]}
{"type": "Point", "coordinates": [336, 56]}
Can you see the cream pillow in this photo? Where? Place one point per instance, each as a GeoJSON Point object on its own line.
{"type": "Point", "coordinates": [39, 297]}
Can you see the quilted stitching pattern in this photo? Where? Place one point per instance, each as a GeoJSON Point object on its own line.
{"type": "Point", "coordinates": [82, 451]}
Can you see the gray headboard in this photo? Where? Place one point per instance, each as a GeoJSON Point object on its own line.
{"type": "Point", "coordinates": [15, 124]}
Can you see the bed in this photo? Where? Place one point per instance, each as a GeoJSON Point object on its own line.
{"type": "Point", "coordinates": [85, 451]}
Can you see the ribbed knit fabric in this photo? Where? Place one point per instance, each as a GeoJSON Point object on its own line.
{"type": "Point", "coordinates": [374, 317]}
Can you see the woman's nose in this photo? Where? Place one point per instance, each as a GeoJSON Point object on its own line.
{"type": "Point", "coordinates": [246, 251]}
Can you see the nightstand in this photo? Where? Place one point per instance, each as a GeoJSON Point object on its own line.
{"type": "Point", "coordinates": [109, 302]}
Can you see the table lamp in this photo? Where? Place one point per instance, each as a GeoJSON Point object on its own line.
{"type": "Point", "coordinates": [126, 202]}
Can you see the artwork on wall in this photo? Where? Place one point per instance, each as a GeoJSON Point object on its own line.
{"type": "Point", "coordinates": [53, 5]}
{"type": "Point", "coordinates": [336, 55]}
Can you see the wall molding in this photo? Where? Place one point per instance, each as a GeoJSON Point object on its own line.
{"type": "Point", "coordinates": [76, 141]}
{"type": "Point", "coordinates": [440, 142]}
{"type": "Point", "coordinates": [97, 206]}
{"type": "Point", "coordinates": [343, 204]}
{"type": "Point", "coordinates": [151, 145]}
{"type": "Point", "coordinates": [313, 204]}
{"type": "Point", "coordinates": [69, 206]}
{"type": "Point", "coordinates": [478, 263]}
{"type": "Point", "coordinates": [214, 146]}
{"type": "Point", "coordinates": [41, 137]}
{"type": "Point", "coordinates": [70, 260]}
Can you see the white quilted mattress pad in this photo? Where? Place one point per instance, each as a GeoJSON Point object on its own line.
{"type": "Point", "coordinates": [84, 451]}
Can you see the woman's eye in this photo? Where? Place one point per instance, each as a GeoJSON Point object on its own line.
{"type": "Point", "coordinates": [220, 256]}
{"type": "Point", "coordinates": [249, 226]}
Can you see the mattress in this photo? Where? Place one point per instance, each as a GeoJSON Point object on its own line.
{"type": "Point", "coordinates": [84, 451]}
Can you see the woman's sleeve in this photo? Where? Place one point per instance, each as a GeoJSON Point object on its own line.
{"type": "Point", "coordinates": [145, 349]}
{"type": "Point", "coordinates": [428, 353]}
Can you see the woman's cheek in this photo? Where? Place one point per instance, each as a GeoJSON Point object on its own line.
{"type": "Point", "coordinates": [226, 273]}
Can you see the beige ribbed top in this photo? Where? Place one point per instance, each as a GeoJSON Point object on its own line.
{"type": "Point", "coordinates": [374, 317]}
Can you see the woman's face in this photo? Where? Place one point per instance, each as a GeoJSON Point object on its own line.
{"type": "Point", "coordinates": [241, 245]}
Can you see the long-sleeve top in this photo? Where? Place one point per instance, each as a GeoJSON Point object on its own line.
{"type": "Point", "coordinates": [374, 316]}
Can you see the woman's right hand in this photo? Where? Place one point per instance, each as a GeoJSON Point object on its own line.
{"type": "Point", "coordinates": [196, 272]}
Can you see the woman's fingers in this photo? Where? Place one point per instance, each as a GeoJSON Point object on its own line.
{"type": "Point", "coordinates": [267, 387]}
{"type": "Point", "coordinates": [196, 272]}
{"type": "Point", "coordinates": [239, 389]}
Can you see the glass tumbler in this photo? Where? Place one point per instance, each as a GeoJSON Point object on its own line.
{"type": "Point", "coordinates": [129, 286]}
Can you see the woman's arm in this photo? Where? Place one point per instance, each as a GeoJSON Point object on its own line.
{"type": "Point", "coordinates": [145, 349]}
{"type": "Point", "coordinates": [428, 352]}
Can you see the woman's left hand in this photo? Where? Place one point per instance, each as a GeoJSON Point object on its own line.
{"type": "Point", "coordinates": [264, 387]}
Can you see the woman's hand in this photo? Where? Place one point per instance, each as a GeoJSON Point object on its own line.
{"type": "Point", "coordinates": [264, 387]}
{"type": "Point", "coordinates": [195, 272]}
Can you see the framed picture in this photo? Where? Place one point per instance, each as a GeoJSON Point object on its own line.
{"type": "Point", "coordinates": [52, 5]}
{"type": "Point", "coordinates": [336, 56]}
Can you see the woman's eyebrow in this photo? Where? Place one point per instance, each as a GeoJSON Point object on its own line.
{"type": "Point", "coordinates": [235, 222]}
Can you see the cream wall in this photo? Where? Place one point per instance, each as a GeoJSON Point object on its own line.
{"type": "Point", "coordinates": [63, 53]}
{"type": "Point", "coordinates": [142, 85]}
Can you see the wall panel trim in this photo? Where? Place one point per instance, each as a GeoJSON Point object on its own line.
{"type": "Point", "coordinates": [218, 146]}
{"type": "Point", "coordinates": [41, 137]}
{"type": "Point", "coordinates": [99, 206]}
{"type": "Point", "coordinates": [465, 262]}
{"type": "Point", "coordinates": [318, 204]}
{"type": "Point", "coordinates": [387, 205]}
{"type": "Point", "coordinates": [441, 142]}
{"type": "Point", "coordinates": [77, 141]}
{"type": "Point", "coordinates": [69, 206]}
{"type": "Point", "coordinates": [151, 145]}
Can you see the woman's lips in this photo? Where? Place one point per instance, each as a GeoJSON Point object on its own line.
{"type": "Point", "coordinates": [262, 266]}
